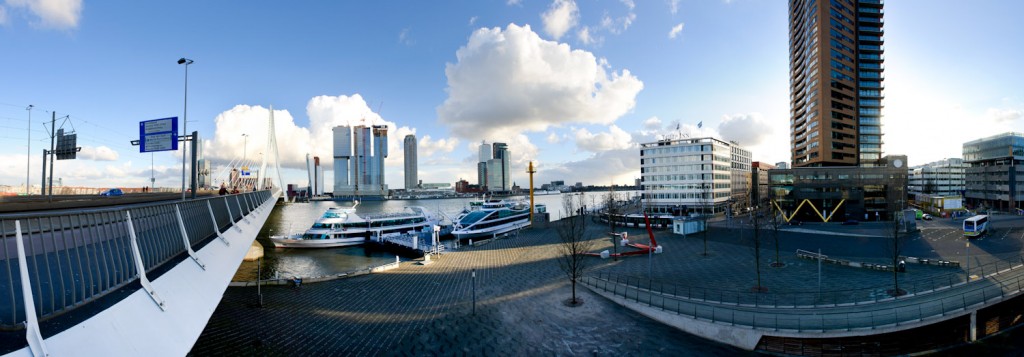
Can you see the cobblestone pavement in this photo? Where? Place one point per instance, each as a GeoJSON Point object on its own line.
{"type": "Point", "coordinates": [427, 310]}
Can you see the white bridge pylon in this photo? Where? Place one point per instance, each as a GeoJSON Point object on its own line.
{"type": "Point", "coordinates": [270, 153]}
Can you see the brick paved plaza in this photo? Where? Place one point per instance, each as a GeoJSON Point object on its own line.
{"type": "Point", "coordinates": [427, 310]}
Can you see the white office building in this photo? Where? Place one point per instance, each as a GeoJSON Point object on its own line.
{"type": "Point", "coordinates": [940, 178]}
{"type": "Point", "coordinates": [690, 175]}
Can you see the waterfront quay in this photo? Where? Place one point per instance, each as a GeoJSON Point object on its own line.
{"type": "Point", "coordinates": [520, 290]}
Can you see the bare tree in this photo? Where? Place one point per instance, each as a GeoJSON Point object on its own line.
{"type": "Point", "coordinates": [574, 243]}
{"type": "Point", "coordinates": [757, 220]}
{"type": "Point", "coordinates": [610, 209]}
{"type": "Point", "coordinates": [706, 199]}
{"type": "Point", "coordinates": [776, 221]}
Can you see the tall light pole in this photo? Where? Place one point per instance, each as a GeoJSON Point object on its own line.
{"type": "Point", "coordinates": [28, 154]}
{"type": "Point", "coordinates": [245, 146]}
{"type": "Point", "coordinates": [184, 130]}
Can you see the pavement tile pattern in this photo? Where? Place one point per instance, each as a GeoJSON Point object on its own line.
{"type": "Point", "coordinates": [428, 310]}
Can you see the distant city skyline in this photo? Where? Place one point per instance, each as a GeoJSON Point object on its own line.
{"type": "Point", "coordinates": [573, 86]}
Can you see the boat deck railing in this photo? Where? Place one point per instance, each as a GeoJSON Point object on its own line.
{"type": "Point", "coordinates": [56, 262]}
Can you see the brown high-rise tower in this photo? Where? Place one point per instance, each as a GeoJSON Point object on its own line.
{"type": "Point", "coordinates": [835, 51]}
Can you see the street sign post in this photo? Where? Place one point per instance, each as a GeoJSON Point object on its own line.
{"type": "Point", "coordinates": [158, 135]}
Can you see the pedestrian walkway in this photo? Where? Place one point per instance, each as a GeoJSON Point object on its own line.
{"type": "Point", "coordinates": [417, 310]}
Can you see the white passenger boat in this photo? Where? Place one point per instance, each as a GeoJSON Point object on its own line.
{"type": "Point", "coordinates": [492, 218]}
{"type": "Point", "coordinates": [341, 226]}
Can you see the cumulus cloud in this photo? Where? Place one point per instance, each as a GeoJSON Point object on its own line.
{"type": "Point", "coordinates": [101, 153]}
{"type": "Point", "coordinates": [511, 81]}
{"type": "Point", "coordinates": [472, 20]}
{"type": "Point", "coordinates": [3, 15]}
{"type": "Point", "coordinates": [615, 138]}
{"type": "Point", "coordinates": [59, 14]}
{"type": "Point", "coordinates": [325, 112]}
{"type": "Point", "coordinates": [652, 123]}
{"type": "Point", "coordinates": [561, 17]}
{"type": "Point", "coordinates": [673, 6]}
{"type": "Point", "coordinates": [1004, 115]}
{"type": "Point", "coordinates": [676, 30]}
{"type": "Point", "coordinates": [629, 3]}
{"type": "Point", "coordinates": [619, 166]}
{"type": "Point", "coordinates": [427, 146]}
{"type": "Point", "coordinates": [746, 129]}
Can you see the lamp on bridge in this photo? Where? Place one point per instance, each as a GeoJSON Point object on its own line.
{"type": "Point", "coordinates": [184, 149]}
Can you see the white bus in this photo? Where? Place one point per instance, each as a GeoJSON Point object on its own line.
{"type": "Point", "coordinates": [975, 226]}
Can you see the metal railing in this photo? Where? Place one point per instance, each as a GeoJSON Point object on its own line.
{"type": "Point", "coordinates": [815, 299]}
{"type": "Point", "coordinates": [76, 256]}
{"type": "Point", "coordinates": [895, 312]}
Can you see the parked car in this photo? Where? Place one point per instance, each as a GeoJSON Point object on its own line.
{"type": "Point", "coordinates": [112, 192]}
{"type": "Point", "coordinates": [926, 217]}
{"type": "Point", "coordinates": [851, 222]}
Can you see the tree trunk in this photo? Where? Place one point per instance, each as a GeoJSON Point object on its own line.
{"type": "Point", "coordinates": [574, 291]}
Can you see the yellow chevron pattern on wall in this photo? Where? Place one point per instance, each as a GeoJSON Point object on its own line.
{"type": "Point", "coordinates": [808, 202]}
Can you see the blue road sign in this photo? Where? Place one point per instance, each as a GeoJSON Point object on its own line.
{"type": "Point", "coordinates": [158, 135]}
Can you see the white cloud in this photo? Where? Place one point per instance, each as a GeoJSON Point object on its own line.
{"type": "Point", "coordinates": [614, 139]}
{"type": "Point", "coordinates": [472, 20]}
{"type": "Point", "coordinates": [511, 81]}
{"type": "Point", "coordinates": [3, 15]}
{"type": "Point", "coordinates": [746, 129]}
{"type": "Point", "coordinates": [584, 36]}
{"type": "Point", "coordinates": [59, 14]}
{"type": "Point", "coordinates": [561, 17]}
{"type": "Point", "coordinates": [620, 166]}
{"type": "Point", "coordinates": [629, 3]}
{"type": "Point", "coordinates": [1004, 115]}
{"type": "Point", "coordinates": [101, 153]}
{"type": "Point", "coordinates": [403, 37]}
{"type": "Point", "coordinates": [673, 6]}
{"type": "Point", "coordinates": [427, 146]}
{"type": "Point", "coordinates": [553, 138]}
{"type": "Point", "coordinates": [652, 123]}
{"type": "Point", "coordinates": [619, 24]}
{"type": "Point", "coordinates": [514, 2]}
{"type": "Point", "coordinates": [294, 142]}
{"type": "Point", "coordinates": [676, 30]}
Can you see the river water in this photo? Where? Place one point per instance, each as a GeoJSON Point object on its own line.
{"type": "Point", "coordinates": [297, 217]}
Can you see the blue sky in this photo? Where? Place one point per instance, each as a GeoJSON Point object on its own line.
{"type": "Point", "coordinates": [573, 86]}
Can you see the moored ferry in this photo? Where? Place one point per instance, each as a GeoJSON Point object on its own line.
{"type": "Point", "coordinates": [493, 217]}
{"type": "Point", "coordinates": [341, 226]}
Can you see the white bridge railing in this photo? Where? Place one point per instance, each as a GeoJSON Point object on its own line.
{"type": "Point", "coordinates": [58, 262]}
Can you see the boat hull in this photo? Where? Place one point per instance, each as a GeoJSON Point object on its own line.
{"type": "Point", "coordinates": [315, 243]}
{"type": "Point", "coordinates": [490, 231]}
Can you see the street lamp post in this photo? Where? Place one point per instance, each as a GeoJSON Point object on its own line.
{"type": "Point", "coordinates": [28, 154]}
{"type": "Point", "coordinates": [245, 146]}
{"type": "Point", "coordinates": [184, 148]}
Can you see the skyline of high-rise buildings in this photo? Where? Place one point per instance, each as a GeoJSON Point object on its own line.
{"type": "Point", "coordinates": [359, 154]}
{"type": "Point", "coordinates": [836, 57]}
